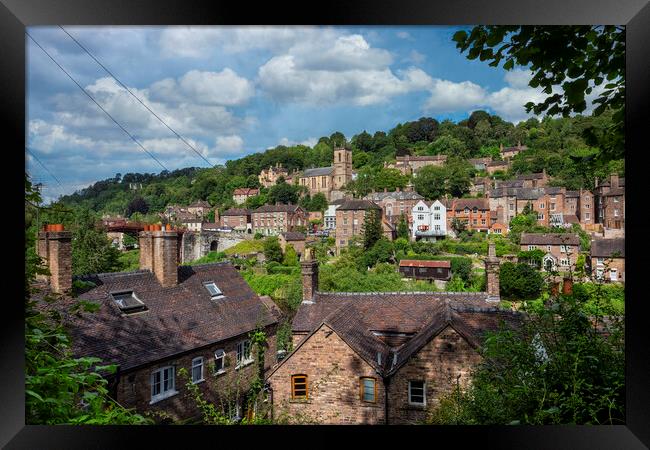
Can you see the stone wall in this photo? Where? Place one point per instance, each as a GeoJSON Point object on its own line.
{"type": "Point", "coordinates": [333, 370]}
{"type": "Point", "coordinates": [445, 359]}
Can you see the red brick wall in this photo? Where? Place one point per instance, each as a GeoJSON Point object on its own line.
{"type": "Point", "coordinates": [134, 388]}
{"type": "Point", "coordinates": [438, 363]}
{"type": "Point", "coordinates": [333, 370]}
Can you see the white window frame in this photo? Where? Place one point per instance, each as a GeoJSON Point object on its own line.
{"type": "Point", "coordinates": [424, 393]}
{"type": "Point", "coordinates": [241, 353]}
{"type": "Point", "coordinates": [532, 247]}
{"type": "Point", "coordinates": [613, 274]}
{"type": "Point", "coordinates": [219, 355]}
{"type": "Point", "coordinates": [163, 394]}
{"type": "Point", "coordinates": [197, 362]}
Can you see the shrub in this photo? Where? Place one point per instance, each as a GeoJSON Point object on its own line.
{"type": "Point", "coordinates": [519, 281]}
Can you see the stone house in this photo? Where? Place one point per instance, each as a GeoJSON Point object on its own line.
{"type": "Point", "coordinates": [269, 177]}
{"type": "Point", "coordinates": [240, 195]}
{"type": "Point", "coordinates": [381, 358]}
{"type": "Point", "coordinates": [479, 163]}
{"type": "Point", "coordinates": [497, 166]}
{"type": "Point", "coordinates": [410, 165]}
{"type": "Point", "coordinates": [608, 259]}
{"type": "Point", "coordinates": [394, 204]}
{"type": "Point", "coordinates": [475, 212]}
{"type": "Point", "coordinates": [271, 220]}
{"type": "Point", "coordinates": [329, 180]}
{"type": "Point", "coordinates": [510, 152]}
{"type": "Point", "coordinates": [561, 250]}
{"type": "Point", "coordinates": [239, 219]}
{"type": "Point", "coordinates": [534, 180]}
{"type": "Point", "coordinates": [295, 239]}
{"type": "Point", "coordinates": [199, 208]}
{"type": "Point", "coordinates": [154, 321]}
{"type": "Point", "coordinates": [350, 217]}
{"type": "Point", "coordinates": [610, 202]}
{"type": "Point", "coordinates": [429, 220]}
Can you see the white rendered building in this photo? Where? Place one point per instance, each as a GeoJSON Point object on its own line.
{"type": "Point", "coordinates": [429, 220]}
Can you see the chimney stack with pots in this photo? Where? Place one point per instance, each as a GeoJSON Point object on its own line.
{"type": "Point", "coordinates": [309, 269]}
{"type": "Point", "coordinates": [613, 181]}
{"type": "Point", "coordinates": [159, 253]}
{"type": "Point", "coordinates": [55, 246]}
{"type": "Point", "coordinates": [492, 274]}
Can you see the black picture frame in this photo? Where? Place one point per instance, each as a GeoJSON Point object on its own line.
{"type": "Point", "coordinates": [15, 15]}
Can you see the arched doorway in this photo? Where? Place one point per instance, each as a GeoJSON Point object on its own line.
{"type": "Point", "coordinates": [214, 245]}
{"type": "Point", "coordinates": [548, 263]}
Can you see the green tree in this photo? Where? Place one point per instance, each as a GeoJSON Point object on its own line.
{"type": "Point", "coordinates": [372, 230]}
{"type": "Point", "coordinates": [272, 249]}
{"type": "Point", "coordinates": [588, 56]}
{"type": "Point", "coordinates": [283, 193]}
{"type": "Point", "coordinates": [92, 252]}
{"type": "Point", "coordinates": [403, 228]}
{"type": "Point", "coordinates": [431, 182]}
{"type": "Point", "coordinates": [290, 256]}
{"type": "Point", "coordinates": [519, 281]}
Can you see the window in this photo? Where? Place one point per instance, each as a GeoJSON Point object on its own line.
{"type": "Point", "coordinates": [474, 221]}
{"type": "Point", "coordinates": [244, 353]}
{"type": "Point", "coordinates": [436, 208]}
{"type": "Point", "coordinates": [512, 206]}
{"type": "Point", "coordinates": [162, 383]}
{"type": "Point", "coordinates": [466, 210]}
{"type": "Point", "coordinates": [541, 206]}
{"type": "Point", "coordinates": [587, 206]}
{"type": "Point", "coordinates": [482, 221]}
{"type": "Point", "coordinates": [299, 387]}
{"type": "Point", "coordinates": [532, 247]}
{"type": "Point", "coordinates": [436, 216]}
{"type": "Point", "coordinates": [219, 361]}
{"type": "Point", "coordinates": [475, 210]}
{"type": "Point", "coordinates": [600, 261]}
{"type": "Point", "coordinates": [587, 216]}
{"type": "Point", "coordinates": [563, 248]}
{"type": "Point", "coordinates": [437, 227]}
{"type": "Point", "coordinates": [564, 262]}
{"type": "Point", "coordinates": [420, 208]}
{"type": "Point", "coordinates": [368, 388]}
{"type": "Point", "coordinates": [128, 302]}
{"type": "Point", "coordinates": [548, 248]}
{"type": "Point", "coordinates": [417, 394]}
{"type": "Point", "coordinates": [615, 199]}
{"type": "Point", "coordinates": [420, 216]}
{"type": "Point", "coordinates": [613, 274]}
{"type": "Point", "coordinates": [197, 369]}
{"type": "Point", "coordinates": [616, 213]}
{"type": "Point", "coordinates": [212, 288]}
{"type": "Point", "coordinates": [540, 216]}
{"type": "Point", "coordinates": [552, 206]}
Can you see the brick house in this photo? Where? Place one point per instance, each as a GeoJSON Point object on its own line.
{"type": "Point", "coordinates": [381, 358]}
{"type": "Point", "coordinates": [330, 213]}
{"type": "Point", "coordinates": [240, 195]}
{"type": "Point", "coordinates": [410, 165]}
{"type": "Point", "coordinates": [295, 239]}
{"type": "Point", "coordinates": [511, 152]}
{"type": "Point", "coordinates": [394, 204]}
{"type": "Point", "coordinates": [610, 202]}
{"type": "Point", "coordinates": [154, 321]}
{"type": "Point", "coordinates": [350, 217]}
{"type": "Point", "coordinates": [269, 177]}
{"type": "Point", "coordinates": [608, 259]}
{"type": "Point", "coordinates": [199, 208]}
{"type": "Point", "coordinates": [497, 166]}
{"type": "Point", "coordinates": [239, 219]}
{"type": "Point", "coordinates": [271, 220]}
{"type": "Point", "coordinates": [561, 250]}
{"type": "Point", "coordinates": [475, 212]}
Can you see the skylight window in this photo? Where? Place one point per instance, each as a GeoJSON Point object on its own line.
{"type": "Point", "coordinates": [128, 302]}
{"type": "Point", "coordinates": [214, 291]}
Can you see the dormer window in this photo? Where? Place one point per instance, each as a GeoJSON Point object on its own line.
{"type": "Point", "coordinates": [128, 302]}
{"type": "Point", "coordinates": [213, 289]}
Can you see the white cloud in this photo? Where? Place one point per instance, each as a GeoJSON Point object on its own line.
{"type": "Point", "coordinates": [309, 142]}
{"type": "Point", "coordinates": [229, 145]}
{"type": "Point", "coordinates": [403, 35]}
{"type": "Point", "coordinates": [449, 96]}
{"type": "Point", "coordinates": [415, 57]}
{"type": "Point", "coordinates": [224, 88]}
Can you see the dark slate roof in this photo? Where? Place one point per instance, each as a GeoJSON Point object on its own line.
{"type": "Point", "coordinates": [554, 190]}
{"type": "Point", "coordinates": [318, 171]}
{"type": "Point", "coordinates": [358, 205]}
{"type": "Point", "coordinates": [200, 204]}
{"type": "Point", "coordinates": [549, 239]}
{"type": "Point", "coordinates": [422, 158]}
{"type": "Point", "coordinates": [420, 316]}
{"type": "Point", "coordinates": [621, 182]}
{"type": "Point", "coordinates": [529, 193]}
{"type": "Point", "coordinates": [401, 195]}
{"type": "Point", "coordinates": [338, 201]}
{"type": "Point", "coordinates": [277, 208]}
{"type": "Point", "coordinates": [614, 192]}
{"type": "Point", "coordinates": [423, 263]}
{"type": "Point", "coordinates": [572, 194]}
{"type": "Point", "coordinates": [178, 319]}
{"type": "Point", "coordinates": [236, 212]}
{"type": "Point", "coordinates": [531, 176]}
{"type": "Point", "coordinates": [605, 248]}
{"type": "Point", "coordinates": [570, 218]}
{"type": "Point", "coordinates": [293, 236]}
{"type": "Point", "coordinates": [497, 163]}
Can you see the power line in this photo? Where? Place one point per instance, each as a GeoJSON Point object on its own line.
{"type": "Point", "coordinates": [138, 99]}
{"type": "Point", "coordinates": [96, 103]}
{"type": "Point", "coordinates": [43, 165]}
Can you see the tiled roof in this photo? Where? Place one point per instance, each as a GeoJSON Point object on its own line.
{"type": "Point", "coordinates": [462, 203]}
{"type": "Point", "coordinates": [358, 205]}
{"type": "Point", "coordinates": [277, 208]}
{"type": "Point", "coordinates": [614, 192]}
{"type": "Point", "coordinates": [549, 239]}
{"type": "Point", "coordinates": [423, 263]}
{"type": "Point", "coordinates": [245, 191]}
{"type": "Point", "coordinates": [236, 212]}
{"type": "Point", "coordinates": [293, 236]}
{"type": "Point", "coordinates": [200, 204]}
{"type": "Point", "coordinates": [338, 201]}
{"type": "Point", "coordinates": [605, 248]}
{"type": "Point", "coordinates": [178, 319]}
{"type": "Point", "coordinates": [570, 218]}
{"type": "Point", "coordinates": [422, 158]}
{"type": "Point", "coordinates": [401, 195]}
{"type": "Point", "coordinates": [318, 171]}
{"type": "Point", "coordinates": [572, 194]}
{"type": "Point", "coordinates": [420, 316]}
{"type": "Point", "coordinates": [531, 176]}
{"type": "Point", "coordinates": [497, 163]}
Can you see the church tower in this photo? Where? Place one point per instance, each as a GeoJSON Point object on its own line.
{"type": "Point", "coordinates": [342, 168]}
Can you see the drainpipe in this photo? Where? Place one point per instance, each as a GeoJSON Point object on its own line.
{"type": "Point", "coordinates": [386, 383]}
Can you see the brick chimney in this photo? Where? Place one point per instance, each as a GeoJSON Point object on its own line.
{"type": "Point", "coordinates": [492, 274]}
{"type": "Point", "coordinates": [56, 248]}
{"type": "Point", "coordinates": [613, 181]}
{"type": "Point", "coordinates": [309, 269]}
{"type": "Point", "coordinates": [159, 253]}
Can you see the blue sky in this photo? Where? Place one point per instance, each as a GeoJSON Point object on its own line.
{"type": "Point", "coordinates": [232, 91]}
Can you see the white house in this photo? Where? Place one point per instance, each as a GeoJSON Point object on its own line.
{"type": "Point", "coordinates": [429, 220]}
{"type": "Point", "coordinates": [329, 218]}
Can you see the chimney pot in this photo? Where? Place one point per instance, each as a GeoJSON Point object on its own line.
{"type": "Point", "coordinates": [55, 246]}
